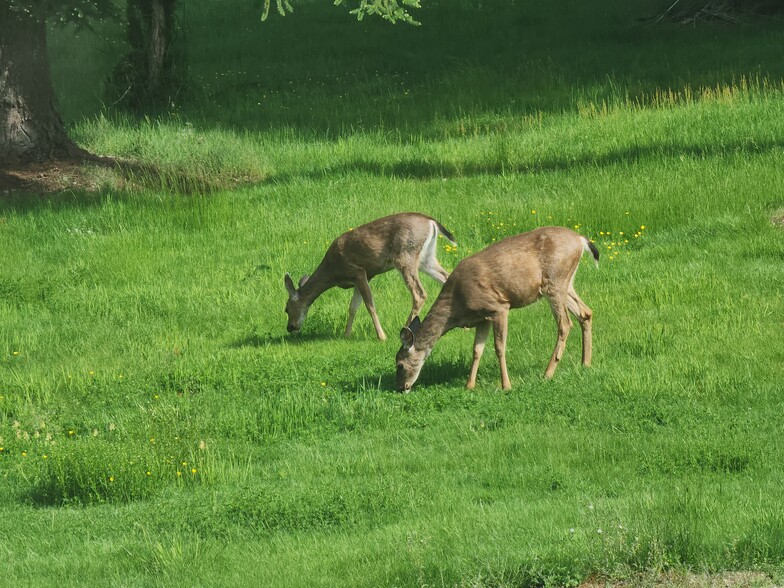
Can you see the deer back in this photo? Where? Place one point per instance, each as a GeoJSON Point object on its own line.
{"type": "Point", "coordinates": [513, 273]}
{"type": "Point", "coordinates": [381, 245]}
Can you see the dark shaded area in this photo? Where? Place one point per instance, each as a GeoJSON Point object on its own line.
{"type": "Point", "coordinates": [153, 73]}
{"type": "Point", "coordinates": [72, 176]}
{"type": "Point", "coordinates": [77, 175]}
{"type": "Point", "coordinates": [466, 71]}
{"type": "Point", "coordinates": [438, 371]}
{"type": "Point", "coordinates": [266, 339]}
{"type": "Point", "coordinates": [425, 170]}
{"type": "Point", "coordinates": [51, 176]}
{"type": "Point", "coordinates": [320, 73]}
{"type": "Point", "coordinates": [693, 12]}
{"type": "Point", "coordinates": [323, 74]}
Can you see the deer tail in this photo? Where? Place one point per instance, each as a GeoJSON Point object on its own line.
{"type": "Point", "coordinates": [445, 232]}
{"type": "Point", "coordinates": [591, 248]}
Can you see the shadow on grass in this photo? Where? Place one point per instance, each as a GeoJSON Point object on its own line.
{"type": "Point", "coordinates": [22, 189]}
{"type": "Point", "coordinates": [74, 182]}
{"type": "Point", "coordinates": [267, 339]}
{"type": "Point", "coordinates": [421, 169]}
{"type": "Point", "coordinates": [442, 372]}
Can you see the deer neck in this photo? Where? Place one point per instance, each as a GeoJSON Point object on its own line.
{"type": "Point", "coordinates": [436, 324]}
{"type": "Point", "coordinates": [316, 285]}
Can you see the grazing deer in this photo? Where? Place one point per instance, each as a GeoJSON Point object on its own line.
{"type": "Point", "coordinates": [405, 242]}
{"type": "Point", "coordinates": [511, 273]}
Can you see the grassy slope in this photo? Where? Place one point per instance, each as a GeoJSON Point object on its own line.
{"type": "Point", "coordinates": [143, 332]}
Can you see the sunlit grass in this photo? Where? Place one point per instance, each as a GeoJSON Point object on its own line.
{"type": "Point", "coordinates": [158, 426]}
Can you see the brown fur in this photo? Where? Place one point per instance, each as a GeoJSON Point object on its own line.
{"type": "Point", "coordinates": [483, 288]}
{"type": "Point", "coordinates": [405, 241]}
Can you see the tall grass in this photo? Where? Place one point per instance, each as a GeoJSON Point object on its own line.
{"type": "Point", "coordinates": [159, 427]}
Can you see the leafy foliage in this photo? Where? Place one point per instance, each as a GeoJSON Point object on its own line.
{"type": "Point", "coordinates": [390, 10]}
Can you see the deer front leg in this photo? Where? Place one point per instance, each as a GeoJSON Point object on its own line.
{"type": "Point", "coordinates": [585, 317]}
{"type": "Point", "coordinates": [353, 306]}
{"type": "Point", "coordinates": [479, 346]}
{"type": "Point", "coordinates": [364, 290]}
{"type": "Point", "coordinates": [564, 326]}
{"type": "Point", "coordinates": [418, 294]}
{"type": "Point", "coordinates": [499, 333]}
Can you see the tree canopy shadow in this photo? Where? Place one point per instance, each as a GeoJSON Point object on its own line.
{"type": "Point", "coordinates": [422, 169]}
{"type": "Point", "coordinates": [86, 182]}
{"type": "Point", "coordinates": [469, 62]}
{"type": "Point", "coordinates": [465, 61]}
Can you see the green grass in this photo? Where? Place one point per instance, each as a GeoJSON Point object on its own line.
{"type": "Point", "coordinates": [158, 426]}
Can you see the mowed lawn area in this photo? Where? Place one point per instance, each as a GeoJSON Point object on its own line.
{"type": "Point", "coordinates": [159, 426]}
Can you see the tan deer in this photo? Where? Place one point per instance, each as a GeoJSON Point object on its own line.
{"type": "Point", "coordinates": [511, 273]}
{"type": "Point", "coordinates": [405, 242]}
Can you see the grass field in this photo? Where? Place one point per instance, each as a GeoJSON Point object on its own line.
{"type": "Point", "coordinates": [158, 427]}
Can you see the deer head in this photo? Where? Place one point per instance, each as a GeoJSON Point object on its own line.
{"type": "Point", "coordinates": [296, 306]}
{"type": "Point", "coordinates": [409, 359]}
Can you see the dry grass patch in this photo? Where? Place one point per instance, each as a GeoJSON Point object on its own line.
{"type": "Point", "coordinates": [688, 580]}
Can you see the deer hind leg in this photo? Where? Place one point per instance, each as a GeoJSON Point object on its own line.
{"type": "Point", "coordinates": [362, 285]}
{"type": "Point", "coordinates": [356, 300]}
{"type": "Point", "coordinates": [418, 294]}
{"type": "Point", "coordinates": [559, 308]}
{"type": "Point", "coordinates": [479, 346]}
{"type": "Point", "coordinates": [427, 259]}
{"type": "Point", "coordinates": [500, 324]}
{"type": "Point", "coordinates": [584, 316]}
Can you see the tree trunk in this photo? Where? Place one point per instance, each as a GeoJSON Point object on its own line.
{"type": "Point", "coordinates": [151, 75]}
{"type": "Point", "coordinates": [30, 126]}
{"type": "Point", "coordinates": [157, 47]}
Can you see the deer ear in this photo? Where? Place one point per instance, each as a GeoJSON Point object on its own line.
{"type": "Point", "coordinates": [303, 279]}
{"type": "Point", "coordinates": [407, 338]}
{"type": "Point", "coordinates": [290, 287]}
{"type": "Point", "coordinates": [415, 324]}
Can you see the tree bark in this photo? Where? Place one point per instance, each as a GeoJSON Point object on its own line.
{"type": "Point", "coordinates": [31, 128]}
{"type": "Point", "coordinates": [149, 76]}
{"type": "Point", "coordinates": [156, 50]}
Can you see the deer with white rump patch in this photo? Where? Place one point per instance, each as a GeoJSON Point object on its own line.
{"type": "Point", "coordinates": [405, 242]}
{"type": "Point", "coordinates": [511, 273]}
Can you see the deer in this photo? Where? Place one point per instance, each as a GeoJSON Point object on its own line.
{"type": "Point", "coordinates": [511, 273]}
{"type": "Point", "coordinates": [405, 242]}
